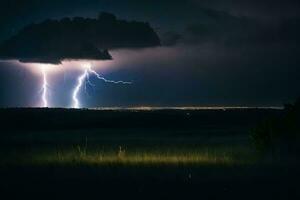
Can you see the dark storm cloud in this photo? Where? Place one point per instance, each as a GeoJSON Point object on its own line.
{"type": "Point", "coordinates": [170, 38]}
{"type": "Point", "coordinates": [267, 9]}
{"type": "Point", "coordinates": [164, 15]}
{"type": "Point", "coordinates": [232, 30]}
{"type": "Point", "coordinates": [78, 38]}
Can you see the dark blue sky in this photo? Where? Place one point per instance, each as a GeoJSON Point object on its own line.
{"type": "Point", "coordinates": [213, 53]}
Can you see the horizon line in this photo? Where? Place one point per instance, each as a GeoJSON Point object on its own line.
{"type": "Point", "coordinates": [156, 107]}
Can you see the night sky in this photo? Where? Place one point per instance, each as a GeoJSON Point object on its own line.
{"type": "Point", "coordinates": [213, 52]}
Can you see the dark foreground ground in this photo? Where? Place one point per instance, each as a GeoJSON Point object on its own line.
{"type": "Point", "coordinates": [165, 154]}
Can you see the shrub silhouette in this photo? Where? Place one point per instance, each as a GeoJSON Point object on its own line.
{"type": "Point", "coordinates": [280, 137]}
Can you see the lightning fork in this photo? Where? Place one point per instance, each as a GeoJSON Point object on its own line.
{"type": "Point", "coordinates": [85, 77]}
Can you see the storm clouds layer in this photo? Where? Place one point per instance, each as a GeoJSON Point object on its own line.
{"type": "Point", "coordinates": [78, 38]}
{"type": "Point", "coordinates": [215, 52]}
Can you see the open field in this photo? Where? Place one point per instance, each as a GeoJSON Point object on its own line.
{"type": "Point", "coordinates": [138, 154]}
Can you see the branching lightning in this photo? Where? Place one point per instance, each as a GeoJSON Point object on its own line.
{"type": "Point", "coordinates": [106, 80]}
{"type": "Point", "coordinates": [84, 78]}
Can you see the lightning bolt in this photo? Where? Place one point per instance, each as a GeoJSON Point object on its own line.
{"type": "Point", "coordinates": [44, 88]}
{"type": "Point", "coordinates": [85, 78]}
{"type": "Point", "coordinates": [77, 88]}
{"type": "Point", "coordinates": [106, 80]}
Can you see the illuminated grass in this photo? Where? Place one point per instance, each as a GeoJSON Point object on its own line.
{"type": "Point", "coordinates": [135, 159]}
{"type": "Point", "coordinates": [80, 156]}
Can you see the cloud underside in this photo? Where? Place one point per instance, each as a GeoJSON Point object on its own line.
{"type": "Point", "coordinates": [78, 38]}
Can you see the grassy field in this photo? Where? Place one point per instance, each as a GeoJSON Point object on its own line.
{"type": "Point", "coordinates": [125, 147]}
{"type": "Point", "coordinates": [151, 156]}
{"type": "Point", "coordinates": [99, 155]}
